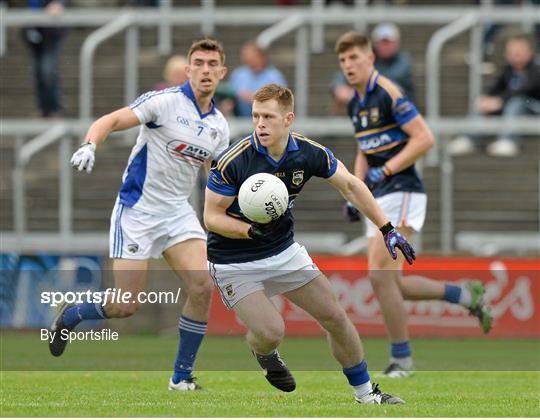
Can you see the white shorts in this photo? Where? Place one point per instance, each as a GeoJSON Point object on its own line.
{"type": "Point", "coordinates": [404, 209]}
{"type": "Point", "coordinates": [135, 235]}
{"type": "Point", "coordinates": [281, 273]}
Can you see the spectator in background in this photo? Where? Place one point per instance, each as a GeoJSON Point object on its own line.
{"type": "Point", "coordinates": [252, 75]}
{"type": "Point", "coordinates": [516, 92]}
{"type": "Point", "coordinates": [174, 73]}
{"type": "Point", "coordinates": [45, 46]}
{"type": "Point", "coordinates": [390, 60]}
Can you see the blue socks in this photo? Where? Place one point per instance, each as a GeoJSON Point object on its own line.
{"type": "Point", "coordinates": [191, 335]}
{"type": "Point", "coordinates": [357, 375]}
{"type": "Point", "coordinates": [452, 293]}
{"type": "Point", "coordinates": [401, 354]}
{"type": "Point", "coordinates": [87, 310]}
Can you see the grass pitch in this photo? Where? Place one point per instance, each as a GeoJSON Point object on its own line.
{"type": "Point", "coordinates": [29, 387]}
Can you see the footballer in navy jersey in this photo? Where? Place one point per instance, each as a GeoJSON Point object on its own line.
{"type": "Point", "coordinates": [391, 136]}
{"type": "Point", "coordinates": [302, 159]}
{"type": "Point", "coordinates": [252, 262]}
{"type": "Point", "coordinates": [378, 118]}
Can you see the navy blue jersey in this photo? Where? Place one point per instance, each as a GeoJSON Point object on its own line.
{"type": "Point", "coordinates": [303, 159]}
{"type": "Point", "coordinates": [377, 120]}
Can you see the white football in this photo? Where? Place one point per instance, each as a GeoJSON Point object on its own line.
{"type": "Point", "coordinates": [263, 197]}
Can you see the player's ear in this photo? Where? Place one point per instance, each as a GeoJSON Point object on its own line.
{"type": "Point", "coordinates": [289, 118]}
{"type": "Point", "coordinates": [223, 72]}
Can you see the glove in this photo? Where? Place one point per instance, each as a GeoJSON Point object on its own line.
{"type": "Point", "coordinates": [84, 157]}
{"type": "Point", "coordinates": [393, 239]}
{"type": "Point", "coordinates": [377, 174]}
{"type": "Point", "coordinates": [260, 230]}
{"type": "Point", "coordinates": [350, 212]}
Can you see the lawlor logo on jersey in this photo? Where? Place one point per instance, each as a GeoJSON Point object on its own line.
{"type": "Point", "coordinates": [196, 155]}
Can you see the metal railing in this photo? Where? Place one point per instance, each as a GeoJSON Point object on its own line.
{"type": "Point", "coordinates": [283, 20]}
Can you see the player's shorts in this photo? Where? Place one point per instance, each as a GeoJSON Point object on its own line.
{"type": "Point", "coordinates": [135, 235]}
{"type": "Point", "coordinates": [404, 209]}
{"type": "Point", "coordinates": [281, 273]}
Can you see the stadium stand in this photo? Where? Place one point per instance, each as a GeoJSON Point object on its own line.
{"type": "Point", "coordinates": [487, 196]}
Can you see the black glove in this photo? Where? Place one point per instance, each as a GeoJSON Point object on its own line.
{"type": "Point", "coordinates": [351, 213]}
{"type": "Point", "coordinates": [259, 230]}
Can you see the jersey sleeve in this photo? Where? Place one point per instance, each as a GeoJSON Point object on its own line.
{"type": "Point", "coordinates": [224, 140]}
{"type": "Point", "coordinates": [222, 176]}
{"type": "Point", "coordinates": [146, 106]}
{"type": "Point", "coordinates": [324, 162]}
{"type": "Point", "coordinates": [404, 110]}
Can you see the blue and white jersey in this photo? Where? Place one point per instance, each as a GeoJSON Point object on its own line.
{"type": "Point", "coordinates": [175, 139]}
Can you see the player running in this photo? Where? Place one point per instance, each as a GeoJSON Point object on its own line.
{"type": "Point", "coordinates": [251, 262]}
{"type": "Point", "coordinates": [391, 137]}
{"type": "Point", "coordinates": [181, 130]}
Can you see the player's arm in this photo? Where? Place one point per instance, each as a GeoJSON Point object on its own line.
{"type": "Point", "coordinates": [420, 141]}
{"type": "Point", "coordinates": [217, 220]}
{"type": "Point", "coordinates": [121, 119]}
{"type": "Point", "coordinates": [360, 165]}
{"type": "Point", "coordinates": [355, 191]}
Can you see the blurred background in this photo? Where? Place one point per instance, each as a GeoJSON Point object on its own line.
{"type": "Point", "coordinates": [65, 63]}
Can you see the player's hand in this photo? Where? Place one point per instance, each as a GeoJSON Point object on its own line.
{"type": "Point", "coordinates": [351, 213]}
{"type": "Point", "coordinates": [376, 175]}
{"type": "Point", "coordinates": [84, 157]}
{"type": "Point", "coordinates": [393, 239]}
{"type": "Point", "coordinates": [260, 230]}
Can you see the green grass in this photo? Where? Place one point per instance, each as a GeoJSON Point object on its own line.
{"type": "Point", "coordinates": [101, 379]}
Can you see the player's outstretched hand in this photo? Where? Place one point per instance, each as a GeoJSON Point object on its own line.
{"type": "Point", "coordinates": [351, 213]}
{"type": "Point", "coordinates": [260, 230]}
{"type": "Point", "coordinates": [393, 239]}
{"type": "Point", "coordinates": [84, 157]}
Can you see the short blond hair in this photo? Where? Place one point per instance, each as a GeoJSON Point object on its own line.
{"type": "Point", "coordinates": [350, 40]}
{"type": "Point", "coordinates": [281, 94]}
{"type": "Point", "coordinates": [207, 44]}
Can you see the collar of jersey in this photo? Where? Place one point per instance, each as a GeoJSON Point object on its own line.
{"type": "Point", "coordinates": [292, 146]}
{"type": "Point", "coordinates": [188, 91]}
{"type": "Point", "coordinates": [372, 82]}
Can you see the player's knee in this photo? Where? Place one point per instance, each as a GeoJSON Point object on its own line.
{"type": "Point", "coordinates": [200, 289]}
{"type": "Point", "coordinates": [271, 336]}
{"type": "Point", "coordinates": [333, 319]}
{"type": "Point", "coordinates": [380, 278]}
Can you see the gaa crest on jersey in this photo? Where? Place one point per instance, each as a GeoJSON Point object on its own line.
{"type": "Point", "coordinates": [194, 154]}
{"type": "Point", "coordinates": [363, 118]}
{"type": "Point", "coordinates": [298, 177]}
{"type": "Point", "coordinates": [230, 291]}
{"type": "Point", "coordinates": [374, 115]}
{"type": "Point", "coordinates": [213, 133]}
{"type": "Point", "coordinates": [133, 248]}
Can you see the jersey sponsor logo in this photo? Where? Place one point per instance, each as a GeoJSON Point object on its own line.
{"type": "Point", "coordinates": [298, 177]}
{"type": "Point", "coordinates": [375, 142]}
{"type": "Point", "coordinates": [182, 150]}
{"type": "Point", "coordinates": [279, 174]}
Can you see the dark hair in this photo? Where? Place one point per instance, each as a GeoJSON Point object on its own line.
{"type": "Point", "coordinates": [282, 95]}
{"type": "Point", "coordinates": [350, 40]}
{"type": "Point", "coordinates": [207, 44]}
{"type": "Point", "coordinates": [521, 37]}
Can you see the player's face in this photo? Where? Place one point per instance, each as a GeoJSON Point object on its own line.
{"type": "Point", "coordinates": [271, 123]}
{"type": "Point", "coordinates": [205, 70]}
{"type": "Point", "coordinates": [356, 64]}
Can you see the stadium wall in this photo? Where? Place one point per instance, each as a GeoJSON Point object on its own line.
{"type": "Point", "coordinates": [512, 290]}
